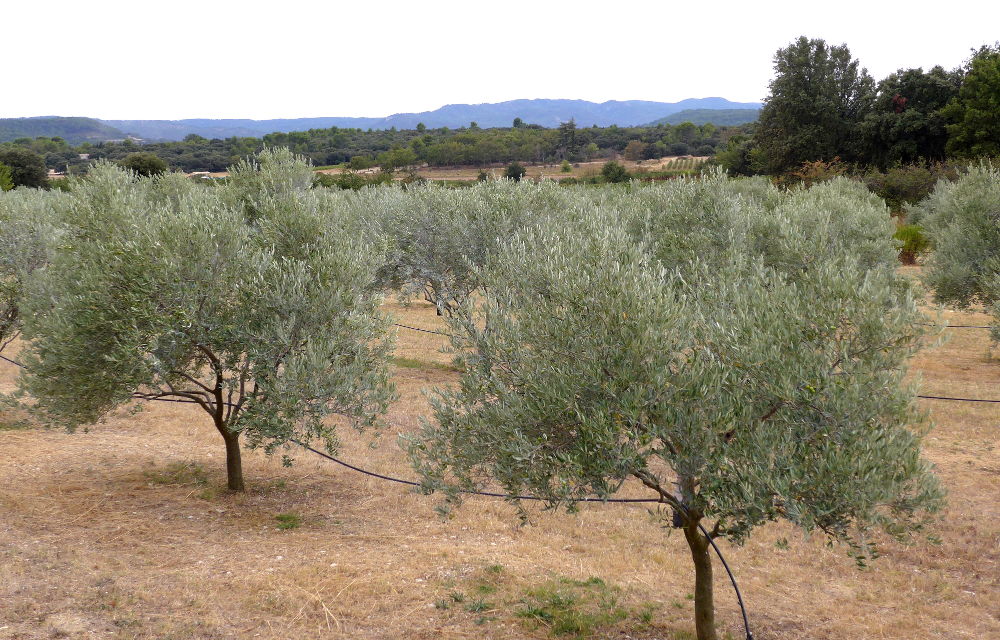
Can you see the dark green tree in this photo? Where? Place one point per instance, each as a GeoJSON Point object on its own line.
{"type": "Point", "coordinates": [27, 168]}
{"type": "Point", "coordinates": [975, 112]}
{"type": "Point", "coordinates": [614, 172]}
{"type": "Point", "coordinates": [515, 171]}
{"type": "Point", "coordinates": [567, 144]}
{"type": "Point", "coordinates": [818, 98]}
{"type": "Point", "coordinates": [144, 164]}
{"type": "Point", "coordinates": [906, 123]}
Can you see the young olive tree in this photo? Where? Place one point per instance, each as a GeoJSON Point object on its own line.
{"type": "Point", "coordinates": [738, 393]}
{"type": "Point", "coordinates": [250, 301]}
{"type": "Point", "coordinates": [961, 219]}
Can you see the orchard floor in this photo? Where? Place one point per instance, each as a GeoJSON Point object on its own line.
{"type": "Point", "coordinates": [126, 531]}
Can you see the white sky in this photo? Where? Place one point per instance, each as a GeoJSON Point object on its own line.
{"type": "Point", "coordinates": [131, 59]}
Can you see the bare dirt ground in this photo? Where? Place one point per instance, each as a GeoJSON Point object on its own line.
{"type": "Point", "coordinates": [126, 531]}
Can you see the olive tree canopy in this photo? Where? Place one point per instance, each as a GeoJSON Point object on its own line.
{"type": "Point", "coordinates": [29, 221]}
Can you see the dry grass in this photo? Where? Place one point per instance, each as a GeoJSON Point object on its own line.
{"type": "Point", "coordinates": [125, 531]}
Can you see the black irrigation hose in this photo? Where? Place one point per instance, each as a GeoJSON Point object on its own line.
{"type": "Point", "coordinates": [956, 399]}
{"type": "Point", "coordinates": [421, 330]}
{"type": "Point", "coordinates": [732, 579]}
{"type": "Point", "coordinates": [13, 362]}
{"type": "Point", "coordinates": [469, 491]}
{"type": "Point", "coordinates": [955, 326]}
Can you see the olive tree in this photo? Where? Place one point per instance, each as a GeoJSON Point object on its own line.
{"type": "Point", "coordinates": [738, 392]}
{"type": "Point", "coordinates": [436, 237]}
{"type": "Point", "coordinates": [249, 301]}
{"type": "Point", "coordinates": [961, 219]}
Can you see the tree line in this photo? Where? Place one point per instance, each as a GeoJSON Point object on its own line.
{"type": "Point", "coordinates": [824, 106]}
{"type": "Point", "coordinates": [394, 149]}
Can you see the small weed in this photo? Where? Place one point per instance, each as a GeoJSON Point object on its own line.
{"type": "Point", "coordinates": [478, 606]}
{"type": "Point", "coordinates": [288, 521]}
{"type": "Point", "coordinates": [573, 607]}
{"type": "Point", "coordinates": [178, 473]}
{"type": "Point", "coordinates": [495, 569]}
{"type": "Point", "coordinates": [645, 614]}
{"type": "Point", "coordinates": [14, 425]}
{"type": "Point", "coordinates": [457, 596]}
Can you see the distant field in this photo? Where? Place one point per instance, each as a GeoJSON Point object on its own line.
{"type": "Point", "coordinates": [550, 171]}
{"type": "Point", "coordinates": [126, 532]}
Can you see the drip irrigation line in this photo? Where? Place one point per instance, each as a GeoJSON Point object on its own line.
{"type": "Point", "coordinates": [440, 333]}
{"type": "Point", "coordinates": [955, 326]}
{"type": "Point", "coordinates": [732, 579]}
{"type": "Point", "coordinates": [489, 494]}
{"type": "Point", "coordinates": [957, 399]}
{"type": "Point", "coordinates": [13, 362]}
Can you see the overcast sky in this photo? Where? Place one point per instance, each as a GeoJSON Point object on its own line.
{"type": "Point", "coordinates": [294, 58]}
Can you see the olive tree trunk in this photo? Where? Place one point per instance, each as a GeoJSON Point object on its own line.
{"type": "Point", "coordinates": [704, 603]}
{"type": "Point", "coordinates": [234, 463]}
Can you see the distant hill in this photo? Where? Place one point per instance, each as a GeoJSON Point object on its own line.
{"type": "Point", "coordinates": [544, 112]}
{"type": "Point", "coordinates": [719, 117]}
{"type": "Point", "coordinates": [73, 130]}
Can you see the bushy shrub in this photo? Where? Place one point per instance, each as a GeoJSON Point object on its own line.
{"type": "Point", "coordinates": [904, 186]}
{"type": "Point", "coordinates": [6, 178]}
{"type": "Point", "coordinates": [810, 173]}
{"type": "Point", "coordinates": [515, 171]}
{"type": "Point", "coordinates": [614, 172]}
{"type": "Point", "coordinates": [353, 180]}
{"type": "Point", "coordinates": [913, 242]}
